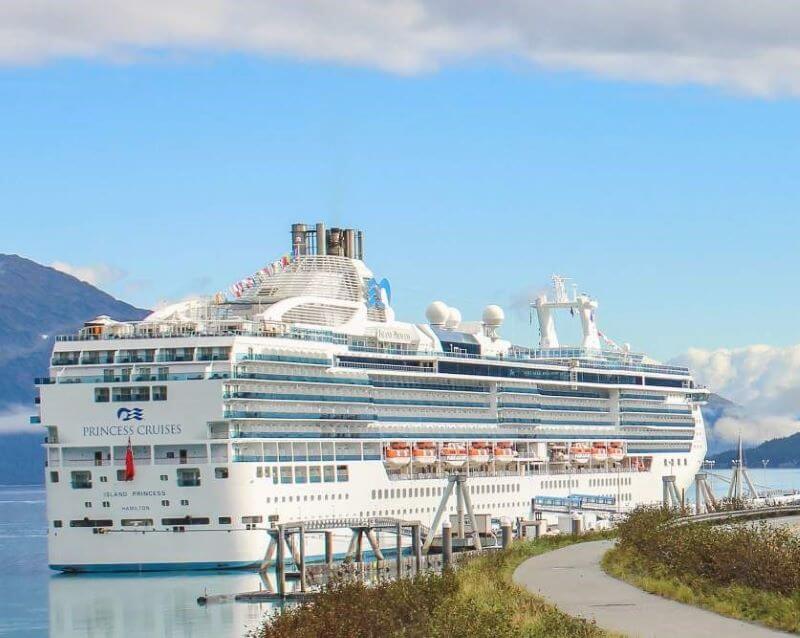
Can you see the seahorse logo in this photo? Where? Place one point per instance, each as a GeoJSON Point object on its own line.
{"type": "Point", "coordinates": [128, 414]}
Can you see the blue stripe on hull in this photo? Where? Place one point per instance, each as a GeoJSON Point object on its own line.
{"type": "Point", "coordinates": [151, 567]}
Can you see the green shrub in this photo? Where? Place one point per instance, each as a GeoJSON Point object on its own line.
{"type": "Point", "coordinates": [758, 555]}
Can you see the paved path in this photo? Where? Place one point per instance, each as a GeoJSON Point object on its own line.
{"type": "Point", "coordinates": [572, 579]}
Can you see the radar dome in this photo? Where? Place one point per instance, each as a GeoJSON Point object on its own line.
{"type": "Point", "coordinates": [437, 313]}
{"type": "Point", "coordinates": [453, 319]}
{"type": "Point", "coordinates": [493, 316]}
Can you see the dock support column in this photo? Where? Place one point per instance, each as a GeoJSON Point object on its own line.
{"type": "Point", "coordinates": [302, 564]}
{"type": "Point", "coordinates": [447, 544]}
{"type": "Point", "coordinates": [373, 542]}
{"type": "Point", "coordinates": [280, 563]}
{"type": "Point", "coordinates": [328, 548]}
{"type": "Point", "coordinates": [460, 487]}
{"type": "Point", "coordinates": [416, 546]}
{"type": "Point", "coordinates": [399, 550]}
{"type": "Point", "coordinates": [505, 526]}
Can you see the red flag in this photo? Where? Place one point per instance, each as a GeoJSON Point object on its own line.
{"type": "Point", "coordinates": [129, 468]}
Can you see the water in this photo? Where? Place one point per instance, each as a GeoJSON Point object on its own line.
{"type": "Point", "coordinates": [35, 601]}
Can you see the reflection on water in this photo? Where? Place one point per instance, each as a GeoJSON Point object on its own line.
{"type": "Point", "coordinates": [150, 605]}
{"type": "Point", "coordinates": [33, 599]}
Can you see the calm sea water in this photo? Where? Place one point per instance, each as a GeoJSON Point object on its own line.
{"type": "Point", "coordinates": [37, 602]}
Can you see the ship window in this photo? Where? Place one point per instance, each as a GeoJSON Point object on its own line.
{"type": "Point", "coordinates": [164, 477]}
{"type": "Point", "coordinates": [87, 504]}
{"type": "Point", "coordinates": [286, 475]}
{"type": "Point", "coordinates": [101, 395]}
{"type": "Point", "coordinates": [184, 501]}
{"type": "Point", "coordinates": [185, 520]}
{"type": "Point", "coordinates": [54, 477]}
{"type": "Point", "coordinates": [137, 522]}
{"type": "Point", "coordinates": [224, 520]}
{"type": "Point", "coordinates": [87, 522]}
{"type": "Point", "coordinates": [341, 473]}
{"type": "Point", "coordinates": [165, 503]}
{"type": "Point", "coordinates": [300, 474]}
{"type": "Point", "coordinates": [58, 524]}
{"type": "Point", "coordinates": [81, 480]}
{"type": "Point", "coordinates": [106, 504]}
{"type": "Point", "coordinates": [159, 393]}
{"type": "Point", "coordinates": [188, 477]}
{"type": "Point", "coordinates": [221, 472]}
{"type": "Point", "coordinates": [252, 520]}
{"type": "Point", "coordinates": [328, 473]}
{"type": "Point", "coordinates": [104, 479]}
{"type": "Point", "coordinates": [314, 475]}
{"type": "Point", "coordinates": [259, 472]}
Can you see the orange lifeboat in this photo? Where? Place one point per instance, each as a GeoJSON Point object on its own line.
{"type": "Point", "coordinates": [504, 452]}
{"type": "Point", "coordinates": [558, 453]}
{"type": "Point", "coordinates": [398, 454]}
{"type": "Point", "coordinates": [615, 452]}
{"type": "Point", "coordinates": [480, 453]}
{"type": "Point", "coordinates": [580, 453]}
{"type": "Point", "coordinates": [599, 453]}
{"type": "Point", "coordinates": [424, 453]}
{"type": "Point", "coordinates": [453, 454]}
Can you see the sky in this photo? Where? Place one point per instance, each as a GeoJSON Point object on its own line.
{"type": "Point", "coordinates": [648, 151]}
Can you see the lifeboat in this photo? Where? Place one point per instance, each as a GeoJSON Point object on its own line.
{"type": "Point", "coordinates": [615, 452]}
{"type": "Point", "coordinates": [480, 453]}
{"type": "Point", "coordinates": [424, 453]}
{"type": "Point", "coordinates": [504, 452]}
{"type": "Point", "coordinates": [453, 454]}
{"type": "Point", "coordinates": [599, 453]}
{"type": "Point", "coordinates": [558, 453]}
{"type": "Point", "coordinates": [580, 454]}
{"type": "Point", "coordinates": [398, 454]}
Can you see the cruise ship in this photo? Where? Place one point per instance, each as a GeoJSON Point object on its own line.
{"type": "Point", "coordinates": [176, 441]}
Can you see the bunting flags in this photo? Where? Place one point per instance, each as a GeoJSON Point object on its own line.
{"type": "Point", "coordinates": [239, 288]}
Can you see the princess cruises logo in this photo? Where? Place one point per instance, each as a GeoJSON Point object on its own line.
{"type": "Point", "coordinates": [130, 414]}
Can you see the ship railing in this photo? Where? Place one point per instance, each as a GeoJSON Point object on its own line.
{"type": "Point", "coordinates": [86, 463]}
{"type": "Point", "coordinates": [182, 460]}
{"type": "Point", "coordinates": [384, 366]}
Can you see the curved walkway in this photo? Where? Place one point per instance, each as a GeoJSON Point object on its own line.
{"type": "Point", "coordinates": [572, 579]}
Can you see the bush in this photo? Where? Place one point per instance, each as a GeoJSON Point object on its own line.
{"type": "Point", "coordinates": [754, 555]}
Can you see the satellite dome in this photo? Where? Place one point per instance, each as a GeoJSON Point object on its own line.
{"type": "Point", "coordinates": [453, 319]}
{"type": "Point", "coordinates": [493, 316]}
{"type": "Point", "coordinates": [437, 313]}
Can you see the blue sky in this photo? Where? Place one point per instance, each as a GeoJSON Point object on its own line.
{"type": "Point", "coordinates": [675, 205]}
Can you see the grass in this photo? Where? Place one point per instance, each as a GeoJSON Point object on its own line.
{"type": "Point", "coordinates": [772, 609]}
{"type": "Point", "coordinates": [477, 600]}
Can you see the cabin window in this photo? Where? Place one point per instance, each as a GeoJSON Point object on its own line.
{"type": "Point", "coordinates": [188, 477]}
{"type": "Point", "coordinates": [101, 395]}
{"type": "Point", "coordinates": [224, 520]}
{"type": "Point", "coordinates": [159, 393]}
{"type": "Point", "coordinates": [87, 522]}
{"type": "Point", "coordinates": [252, 520]}
{"type": "Point", "coordinates": [137, 522]}
{"type": "Point", "coordinates": [286, 475]}
{"type": "Point", "coordinates": [54, 477]}
{"type": "Point", "coordinates": [81, 480]}
{"type": "Point", "coordinates": [221, 472]}
{"type": "Point", "coordinates": [341, 473]}
{"type": "Point", "coordinates": [185, 520]}
{"type": "Point", "coordinates": [58, 524]}
{"type": "Point", "coordinates": [327, 473]}
{"type": "Point", "coordinates": [184, 502]}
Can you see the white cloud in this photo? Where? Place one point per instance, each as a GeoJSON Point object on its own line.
{"type": "Point", "coordinates": [97, 275]}
{"type": "Point", "coordinates": [16, 419]}
{"type": "Point", "coordinates": [746, 46]}
{"type": "Point", "coordinates": [763, 380]}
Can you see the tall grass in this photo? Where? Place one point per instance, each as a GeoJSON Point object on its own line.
{"type": "Point", "coordinates": [755, 555]}
{"type": "Point", "coordinates": [477, 600]}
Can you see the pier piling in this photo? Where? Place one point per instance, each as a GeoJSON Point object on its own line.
{"type": "Point", "coordinates": [447, 545]}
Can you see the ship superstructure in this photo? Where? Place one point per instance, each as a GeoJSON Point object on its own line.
{"type": "Point", "coordinates": [174, 441]}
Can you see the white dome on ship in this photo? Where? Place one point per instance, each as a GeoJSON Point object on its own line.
{"type": "Point", "coordinates": [437, 313]}
{"type": "Point", "coordinates": [493, 316]}
{"type": "Point", "coordinates": [453, 319]}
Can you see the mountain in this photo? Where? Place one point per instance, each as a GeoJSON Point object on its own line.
{"type": "Point", "coordinates": [781, 452]}
{"type": "Point", "coordinates": [716, 407]}
{"type": "Point", "coordinates": [36, 303]}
